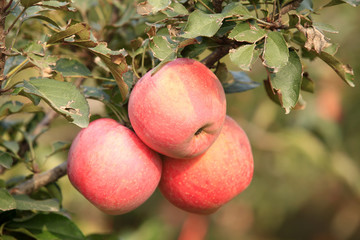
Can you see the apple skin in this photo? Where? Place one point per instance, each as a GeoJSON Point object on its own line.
{"type": "Point", "coordinates": [203, 184]}
{"type": "Point", "coordinates": [112, 168]}
{"type": "Point", "coordinates": [180, 110]}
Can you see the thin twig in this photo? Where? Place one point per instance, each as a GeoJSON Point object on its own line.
{"type": "Point", "coordinates": [40, 180]}
{"type": "Point", "coordinates": [217, 5]}
{"type": "Point", "coordinates": [206, 6]}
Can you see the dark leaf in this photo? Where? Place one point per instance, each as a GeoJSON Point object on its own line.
{"type": "Point", "coordinates": [6, 160]}
{"type": "Point", "coordinates": [58, 225]}
{"type": "Point", "coordinates": [239, 82]}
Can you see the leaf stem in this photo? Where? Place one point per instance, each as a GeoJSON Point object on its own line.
{"type": "Point", "coordinates": [206, 6]}
{"type": "Point", "coordinates": [14, 22]}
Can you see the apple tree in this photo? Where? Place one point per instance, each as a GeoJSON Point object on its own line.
{"type": "Point", "coordinates": [57, 55]}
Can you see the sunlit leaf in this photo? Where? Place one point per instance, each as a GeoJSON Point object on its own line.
{"type": "Point", "coordinates": [247, 32]}
{"type": "Point", "coordinates": [202, 24]}
{"type": "Point", "coordinates": [276, 52]}
{"type": "Point", "coordinates": [175, 9]}
{"type": "Point", "coordinates": [236, 9]}
{"type": "Point", "coordinates": [116, 62]}
{"type": "Point", "coordinates": [161, 47]}
{"type": "Point", "coordinates": [353, 3]}
{"type": "Point", "coordinates": [24, 202]}
{"type": "Point", "coordinates": [325, 27]}
{"type": "Point", "coordinates": [243, 56]}
{"type": "Point", "coordinates": [63, 97]}
{"type": "Point", "coordinates": [287, 82]}
{"type": "Point", "coordinates": [29, 3]}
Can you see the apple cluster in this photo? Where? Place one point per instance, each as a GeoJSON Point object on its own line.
{"type": "Point", "coordinates": [183, 143]}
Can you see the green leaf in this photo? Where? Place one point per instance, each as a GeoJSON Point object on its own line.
{"type": "Point", "coordinates": [29, 3]}
{"type": "Point", "coordinates": [13, 146]}
{"type": "Point", "coordinates": [55, 191]}
{"type": "Point", "coordinates": [307, 84]}
{"type": "Point", "coordinates": [95, 93]}
{"type": "Point", "coordinates": [353, 3]}
{"type": "Point", "coordinates": [236, 9]}
{"type": "Point", "coordinates": [59, 147]}
{"type": "Point", "coordinates": [344, 71]}
{"type": "Point", "coordinates": [58, 225]}
{"type": "Point", "coordinates": [5, 160]}
{"type": "Point", "coordinates": [247, 32]}
{"type": "Point", "coordinates": [243, 56]}
{"type": "Point", "coordinates": [152, 6]}
{"type": "Point", "coordinates": [63, 97]}
{"type": "Point", "coordinates": [10, 107]}
{"type": "Point", "coordinates": [71, 68]}
{"type": "Point", "coordinates": [287, 82]}
{"type": "Point", "coordinates": [305, 4]}
{"type": "Point", "coordinates": [57, 5]}
{"type": "Point", "coordinates": [79, 29]}
{"type": "Point", "coordinates": [239, 82]}
{"type": "Point", "coordinates": [176, 9]}
{"type": "Point", "coordinates": [24, 202]}
{"type": "Point", "coordinates": [102, 237]}
{"type": "Point", "coordinates": [276, 52]}
{"type": "Point", "coordinates": [161, 47]}
{"type": "Point", "coordinates": [7, 237]}
{"type": "Point", "coordinates": [7, 202]}
{"type": "Point", "coordinates": [159, 4]}
{"type": "Point", "coordinates": [202, 24]}
{"type": "Point", "coordinates": [22, 231]}
{"type": "Point", "coordinates": [325, 27]}
{"type": "Point", "coordinates": [116, 62]}
{"type": "Point", "coordinates": [43, 18]}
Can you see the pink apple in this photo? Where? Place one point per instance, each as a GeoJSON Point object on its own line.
{"type": "Point", "coordinates": [179, 111]}
{"type": "Point", "coordinates": [206, 182]}
{"type": "Point", "coordinates": [112, 167]}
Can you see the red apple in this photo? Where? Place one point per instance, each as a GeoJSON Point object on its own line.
{"type": "Point", "coordinates": [206, 182]}
{"type": "Point", "coordinates": [112, 167]}
{"type": "Point", "coordinates": [179, 111]}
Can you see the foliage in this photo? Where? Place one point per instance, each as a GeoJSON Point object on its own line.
{"type": "Point", "coordinates": [56, 55]}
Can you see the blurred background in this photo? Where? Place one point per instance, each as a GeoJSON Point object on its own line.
{"type": "Point", "coordinates": [306, 183]}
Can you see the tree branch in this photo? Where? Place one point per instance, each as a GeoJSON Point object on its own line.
{"type": "Point", "coordinates": [3, 7]}
{"type": "Point", "coordinates": [217, 5]}
{"type": "Point", "coordinates": [40, 180]}
{"type": "Point", "coordinates": [291, 6]}
{"type": "Point", "coordinates": [216, 55]}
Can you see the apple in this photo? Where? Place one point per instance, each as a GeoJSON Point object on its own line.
{"type": "Point", "coordinates": [178, 111]}
{"type": "Point", "coordinates": [112, 168]}
{"type": "Point", "coordinates": [204, 183]}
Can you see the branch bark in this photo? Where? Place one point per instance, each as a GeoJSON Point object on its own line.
{"type": "Point", "coordinates": [3, 8]}
{"type": "Point", "coordinates": [217, 5]}
{"type": "Point", "coordinates": [40, 180]}
{"type": "Point", "coordinates": [291, 6]}
{"type": "Point", "coordinates": [216, 55]}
